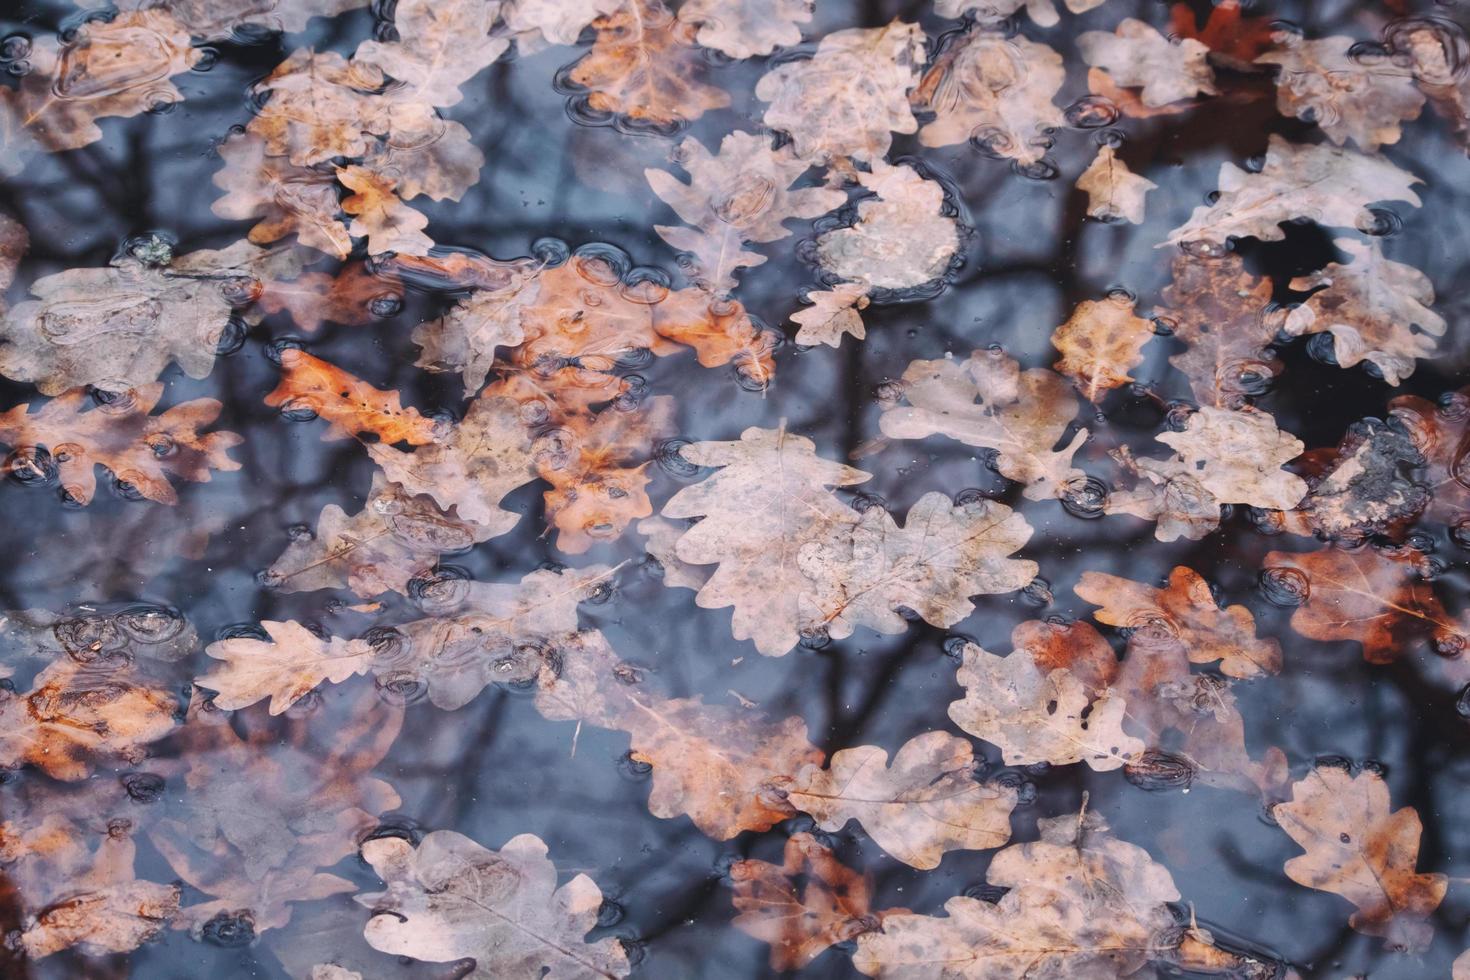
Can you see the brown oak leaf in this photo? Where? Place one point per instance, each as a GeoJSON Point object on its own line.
{"type": "Point", "coordinates": [1100, 344]}
{"type": "Point", "coordinates": [351, 405]}
{"type": "Point", "coordinates": [355, 296]}
{"type": "Point", "coordinates": [1113, 191]}
{"type": "Point", "coordinates": [1439, 434]}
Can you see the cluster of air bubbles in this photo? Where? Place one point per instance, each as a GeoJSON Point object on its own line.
{"type": "Point", "coordinates": [31, 466]}
{"type": "Point", "coordinates": [439, 590]}
{"type": "Point", "coordinates": [670, 458]}
{"type": "Point", "coordinates": [1266, 521]}
{"type": "Point", "coordinates": [231, 337]}
{"type": "Point", "coordinates": [143, 787]}
{"type": "Point", "coordinates": [632, 768]}
{"type": "Point", "coordinates": [400, 688]}
{"type": "Point", "coordinates": [1086, 498]}
{"type": "Point", "coordinates": [1156, 771]}
{"type": "Point", "coordinates": [152, 248]}
{"type": "Point", "coordinates": [954, 646]}
{"type": "Point", "coordinates": [1038, 593]}
{"type": "Point", "coordinates": [280, 345]}
{"type": "Point", "coordinates": [229, 930]}
{"type": "Point", "coordinates": [815, 637]}
{"type": "Point", "coordinates": [15, 53]}
{"type": "Point", "coordinates": [1285, 587]}
{"type": "Point", "coordinates": [1020, 780]}
{"type": "Point", "coordinates": [124, 488]}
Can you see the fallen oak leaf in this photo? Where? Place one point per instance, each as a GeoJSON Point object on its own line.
{"type": "Point", "coordinates": [450, 899]}
{"type": "Point", "coordinates": [1349, 95]}
{"type": "Point", "coordinates": [642, 67]}
{"type": "Point", "coordinates": [535, 24]}
{"type": "Point", "coordinates": [834, 313]}
{"type": "Point", "coordinates": [351, 406]}
{"type": "Point", "coordinates": [927, 802]}
{"type": "Point", "coordinates": [995, 89]}
{"type": "Point", "coordinates": [1438, 432]}
{"type": "Point", "coordinates": [1370, 306]}
{"type": "Point", "coordinates": [355, 296]}
{"type": "Point", "coordinates": [1359, 848]}
{"type": "Point", "coordinates": [802, 906]}
{"type": "Point", "coordinates": [902, 238]}
{"type": "Point", "coordinates": [1113, 191]}
{"type": "Point", "coordinates": [1362, 487]}
{"type": "Point", "coordinates": [1101, 342]}
{"type": "Point", "coordinates": [1231, 37]}
{"type": "Point", "coordinates": [219, 20]}
{"type": "Point", "coordinates": [1186, 611]}
{"type": "Point", "coordinates": [440, 45]}
{"type": "Point", "coordinates": [380, 216]}
{"type": "Point", "coordinates": [847, 99]}
{"type": "Point", "coordinates": [284, 668]}
{"type": "Point", "coordinates": [746, 28]}
{"type": "Point", "coordinates": [140, 450]}
{"type": "Point", "coordinates": [1042, 12]}
{"type": "Point", "coordinates": [1136, 55]}
{"type": "Point", "coordinates": [286, 198]}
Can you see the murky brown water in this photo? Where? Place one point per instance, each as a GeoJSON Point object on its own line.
{"type": "Point", "coordinates": [496, 768]}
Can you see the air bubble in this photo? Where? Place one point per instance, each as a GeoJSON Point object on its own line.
{"type": "Point", "coordinates": [144, 787]}
{"type": "Point", "coordinates": [385, 305]}
{"type": "Point", "coordinates": [15, 47]}
{"type": "Point", "coordinates": [1380, 222]}
{"type": "Point", "coordinates": [1285, 587]}
{"type": "Point", "coordinates": [815, 637]}
{"type": "Point", "coordinates": [1156, 771]}
{"type": "Point", "coordinates": [633, 769]}
{"type": "Point", "coordinates": [231, 337]}
{"type": "Point", "coordinates": [440, 590]}
{"type": "Point", "coordinates": [1086, 499]}
{"type": "Point", "coordinates": [1091, 112]}
{"type": "Point", "coordinates": [1037, 593]}
{"type": "Point", "coordinates": [280, 345]}
{"type": "Point", "coordinates": [242, 631]}
{"type": "Point", "coordinates": [986, 893]}
{"type": "Point", "coordinates": [150, 624]}
{"type": "Point", "coordinates": [400, 688]}
{"type": "Point", "coordinates": [229, 931]}
{"type": "Point", "coordinates": [31, 466]}
{"type": "Point", "coordinates": [1320, 349]}
{"type": "Point", "coordinates": [551, 252]}
{"type": "Point", "coordinates": [954, 647]}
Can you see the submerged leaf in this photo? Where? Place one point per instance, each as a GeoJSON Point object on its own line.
{"type": "Point", "coordinates": [351, 405]}
{"type": "Point", "coordinates": [1350, 97]}
{"type": "Point", "coordinates": [902, 237]}
{"type": "Point", "coordinates": [1138, 56]}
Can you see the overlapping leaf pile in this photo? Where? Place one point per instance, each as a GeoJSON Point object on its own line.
{"type": "Point", "coordinates": [248, 787]}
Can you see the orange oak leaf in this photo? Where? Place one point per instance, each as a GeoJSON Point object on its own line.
{"type": "Point", "coordinates": [1358, 847]}
{"type": "Point", "coordinates": [1373, 597]}
{"type": "Point", "coordinates": [804, 905]}
{"type": "Point", "coordinates": [1114, 193]}
{"type": "Point", "coordinates": [1230, 36]}
{"type": "Point", "coordinates": [356, 295]}
{"type": "Point", "coordinates": [380, 216]}
{"type": "Point", "coordinates": [351, 405]}
{"type": "Point", "coordinates": [141, 450]}
{"type": "Point", "coordinates": [1186, 611]}
{"type": "Point", "coordinates": [1100, 344]}
{"type": "Point", "coordinates": [642, 67]}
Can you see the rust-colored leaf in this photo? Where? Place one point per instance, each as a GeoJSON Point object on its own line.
{"type": "Point", "coordinates": [1100, 344]}
{"type": "Point", "coordinates": [351, 405]}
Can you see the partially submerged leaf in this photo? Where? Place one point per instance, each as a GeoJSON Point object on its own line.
{"type": "Point", "coordinates": [1138, 56]}
{"type": "Point", "coordinates": [351, 405]}
{"type": "Point", "coordinates": [927, 802]}
{"type": "Point", "coordinates": [451, 899]}
{"type": "Point", "coordinates": [803, 906]}
{"type": "Point", "coordinates": [989, 401]}
{"type": "Point", "coordinates": [902, 237]}
{"type": "Point", "coordinates": [1101, 343]}
{"type": "Point", "coordinates": [1358, 847]}
{"type": "Point", "coordinates": [141, 450]}
{"type": "Point", "coordinates": [286, 198]}
{"type": "Point", "coordinates": [1113, 191]}
{"type": "Point", "coordinates": [1328, 185]}
{"type": "Point", "coordinates": [220, 20]}
{"type": "Point", "coordinates": [284, 668]}
{"type": "Point", "coordinates": [1350, 96]}
{"type": "Point", "coordinates": [834, 312]}
{"type": "Point", "coordinates": [850, 96]}
{"type": "Point", "coordinates": [746, 28]}
{"type": "Point", "coordinates": [380, 216]}
{"type": "Point", "coordinates": [996, 89]}
{"type": "Point", "coordinates": [1371, 306]}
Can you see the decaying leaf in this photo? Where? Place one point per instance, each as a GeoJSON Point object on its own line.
{"type": "Point", "coordinates": [1036, 714]}
{"type": "Point", "coordinates": [219, 20]}
{"type": "Point", "coordinates": [850, 96]}
{"type": "Point", "coordinates": [1232, 38]}
{"type": "Point", "coordinates": [1364, 486]}
{"type": "Point", "coordinates": [354, 296]}
{"type": "Point", "coordinates": [1184, 610]}
{"type": "Point", "coordinates": [72, 717]}
{"type": "Point", "coordinates": [108, 637]}
{"type": "Point", "coordinates": [537, 23]}
{"type": "Point", "coordinates": [1138, 56]}
{"type": "Point", "coordinates": [1358, 847]}
{"type": "Point", "coordinates": [803, 906]}
{"type": "Point", "coordinates": [746, 28]}
{"type": "Point", "coordinates": [902, 237]}
{"type": "Point", "coordinates": [118, 327]}
{"type": "Point", "coordinates": [1223, 314]}
{"type": "Point", "coordinates": [1369, 596]}
{"type": "Point", "coordinates": [1371, 306]}
{"type": "Point", "coordinates": [1330, 186]}
{"type": "Point", "coordinates": [743, 194]}
{"type": "Point", "coordinates": [1350, 96]}
{"type": "Point", "coordinates": [643, 66]}
{"type": "Point", "coordinates": [1223, 457]}
{"type": "Point", "coordinates": [441, 45]}
{"type": "Point", "coordinates": [286, 198]}
{"type": "Point", "coordinates": [351, 405]}
{"type": "Point", "coordinates": [117, 67]}
{"type": "Point", "coordinates": [141, 450]}
{"type": "Point", "coordinates": [988, 401]}
{"type": "Point", "coordinates": [1043, 12]}
{"type": "Point", "coordinates": [996, 89]}
{"type": "Point", "coordinates": [834, 313]}
{"type": "Point", "coordinates": [450, 899]}
{"type": "Point", "coordinates": [1080, 903]}
{"type": "Point", "coordinates": [1101, 343]}
{"type": "Point", "coordinates": [1113, 191]}
{"type": "Point", "coordinates": [795, 560]}
{"type": "Point", "coordinates": [1439, 433]}
{"type": "Point", "coordinates": [926, 802]}
{"type": "Point", "coordinates": [254, 819]}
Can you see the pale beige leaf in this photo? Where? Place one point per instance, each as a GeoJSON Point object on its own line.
{"type": "Point", "coordinates": [221, 20]}
{"type": "Point", "coordinates": [538, 23]}
{"type": "Point", "coordinates": [995, 88]}
{"type": "Point", "coordinates": [746, 28]}
{"type": "Point", "coordinates": [1043, 12]}
{"type": "Point", "coordinates": [1363, 98]}
{"type": "Point", "coordinates": [927, 802]}
{"type": "Point", "coordinates": [1328, 185]}
{"type": "Point", "coordinates": [441, 45]}
{"type": "Point", "coordinates": [850, 96]}
{"type": "Point", "coordinates": [1113, 191]}
{"type": "Point", "coordinates": [989, 401]}
{"type": "Point", "coordinates": [901, 239]}
{"type": "Point", "coordinates": [284, 668]}
{"type": "Point", "coordinates": [834, 312]}
{"type": "Point", "coordinates": [1138, 56]}
{"type": "Point", "coordinates": [450, 899]}
{"type": "Point", "coordinates": [1371, 305]}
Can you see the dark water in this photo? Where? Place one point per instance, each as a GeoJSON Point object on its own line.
{"type": "Point", "coordinates": [495, 768]}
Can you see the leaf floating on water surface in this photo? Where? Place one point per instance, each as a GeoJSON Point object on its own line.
{"type": "Point", "coordinates": [1358, 97]}
{"type": "Point", "coordinates": [141, 450]}
{"type": "Point", "coordinates": [380, 216]}
{"type": "Point", "coordinates": [746, 28]}
{"type": "Point", "coordinates": [988, 401]}
{"type": "Point", "coordinates": [743, 194]}
{"type": "Point", "coordinates": [1101, 343]}
{"type": "Point", "coordinates": [1364, 486]}
{"type": "Point", "coordinates": [352, 297]}
{"type": "Point", "coordinates": [850, 96]}
{"type": "Point", "coordinates": [794, 560]}
{"type": "Point", "coordinates": [802, 906]}
{"type": "Point", "coordinates": [219, 20]}
{"type": "Point", "coordinates": [1043, 12]}
{"type": "Point", "coordinates": [834, 313]}
{"type": "Point", "coordinates": [1358, 847]}
{"type": "Point", "coordinates": [902, 237]}
{"type": "Point", "coordinates": [1232, 38]}
{"type": "Point", "coordinates": [451, 899]}
{"type": "Point", "coordinates": [1138, 56]}
{"type": "Point", "coordinates": [995, 89]}
{"type": "Point", "coordinates": [1439, 432]}
{"type": "Point", "coordinates": [927, 802]}
{"type": "Point", "coordinates": [642, 68]}
{"type": "Point", "coordinates": [441, 45]}
{"type": "Point", "coordinates": [1113, 191]}
{"type": "Point", "coordinates": [285, 668]}
{"type": "Point", "coordinates": [536, 24]}
{"type": "Point", "coordinates": [1328, 185]}
{"type": "Point", "coordinates": [351, 405]}
{"type": "Point", "coordinates": [1371, 306]}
